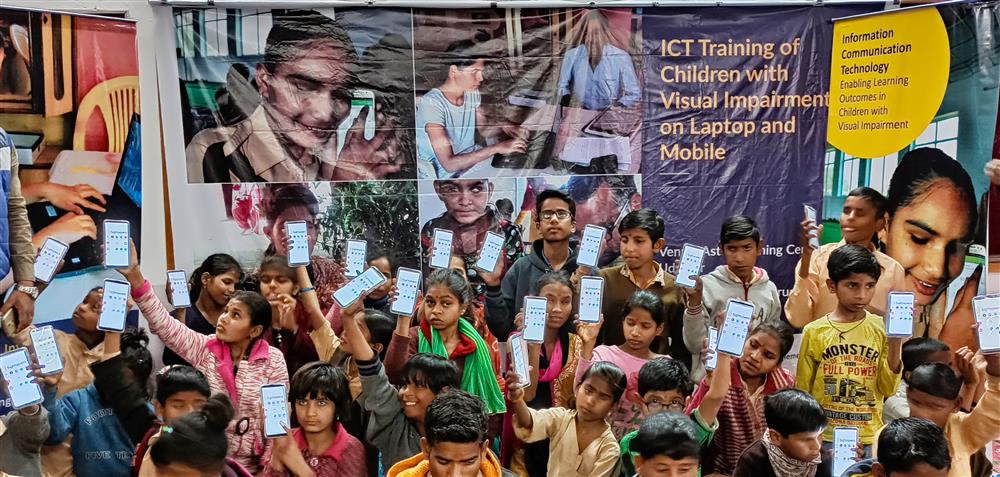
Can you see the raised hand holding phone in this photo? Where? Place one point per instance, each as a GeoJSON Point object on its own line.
{"type": "Point", "coordinates": [591, 299]}
{"type": "Point", "coordinates": [899, 319]}
{"type": "Point", "coordinates": [489, 255]}
{"type": "Point", "coordinates": [179, 294]}
{"type": "Point", "coordinates": [15, 367]}
{"type": "Point", "coordinates": [43, 341]}
{"type": "Point", "coordinates": [535, 311]}
{"type": "Point", "coordinates": [298, 243]}
{"type": "Point", "coordinates": [117, 237]}
{"type": "Point", "coordinates": [408, 283]}
{"type": "Point", "coordinates": [987, 311]}
{"type": "Point", "coordinates": [360, 285]}
{"type": "Point", "coordinates": [441, 248]}
{"type": "Point", "coordinates": [812, 217]}
{"type": "Point", "coordinates": [114, 305]}
{"type": "Point", "coordinates": [48, 259]}
{"type": "Point", "coordinates": [357, 250]}
{"type": "Point", "coordinates": [275, 403]}
{"type": "Point", "coordinates": [519, 359]}
{"type": "Point", "coordinates": [590, 246]}
{"type": "Point", "coordinates": [692, 257]}
{"type": "Point", "coordinates": [712, 360]}
{"type": "Point", "coordinates": [735, 329]}
{"type": "Point", "coordinates": [845, 440]}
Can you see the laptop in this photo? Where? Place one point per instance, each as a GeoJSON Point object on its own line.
{"type": "Point", "coordinates": [538, 154]}
{"type": "Point", "coordinates": [124, 203]}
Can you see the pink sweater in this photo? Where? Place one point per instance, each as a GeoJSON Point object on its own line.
{"type": "Point", "coordinates": [211, 356]}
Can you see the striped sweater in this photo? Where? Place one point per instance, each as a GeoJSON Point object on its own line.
{"type": "Point", "coordinates": [266, 365]}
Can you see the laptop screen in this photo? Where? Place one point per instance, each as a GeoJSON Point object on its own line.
{"type": "Point", "coordinates": [130, 169]}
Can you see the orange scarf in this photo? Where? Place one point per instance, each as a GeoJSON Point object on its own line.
{"type": "Point", "coordinates": [418, 466]}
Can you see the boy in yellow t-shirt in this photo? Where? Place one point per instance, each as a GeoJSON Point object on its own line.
{"type": "Point", "coordinates": [846, 362]}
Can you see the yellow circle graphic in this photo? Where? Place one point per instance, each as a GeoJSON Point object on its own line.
{"type": "Point", "coordinates": [889, 74]}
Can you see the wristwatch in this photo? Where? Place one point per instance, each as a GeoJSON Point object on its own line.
{"type": "Point", "coordinates": [30, 291]}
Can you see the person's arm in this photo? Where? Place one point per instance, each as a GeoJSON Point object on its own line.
{"type": "Point", "coordinates": [889, 371]}
{"type": "Point", "coordinates": [534, 358]}
{"type": "Point", "coordinates": [399, 349]}
{"type": "Point", "coordinates": [322, 335]}
{"type": "Point", "coordinates": [696, 319]}
{"type": "Point", "coordinates": [29, 428]}
{"type": "Point", "coordinates": [717, 390]}
{"type": "Point", "coordinates": [801, 301]}
{"type": "Point", "coordinates": [124, 395]}
{"type": "Point", "coordinates": [965, 362]}
{"type": "Point", "coordinates": [587, 332]}
{"type": "Point", "coordinates": [531, 425]}
{"type": "Point", "coordinates": [452, 162]}
{"type": "Point", "coordinates": [63, 414]}
{"type": "Point", "coordinates": [805, 371]}
{"type": "Point", "coordinates": [608, 457]}
{"type": "Point", "coordinates": [975, 429]}
{"type": "Point", "coordinates": [381, 400]}
{"type": "Point", "coordinates": [631, 93]}
{"type": "Point", "coordinates": [22, 253]}
{"type": "Point", "coordinates": [500, 304]}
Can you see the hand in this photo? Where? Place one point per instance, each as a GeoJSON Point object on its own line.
{"type": "Point", "coordinates": [519, 321]}
{"type": "Point", "coordinates": [859, 452]}
{"type": "Point", "coordinates": [132, 272]}
{"type": "Point", "coordinates": [493, 279]}
{"type": "Point", "coordinates": [286, 311]}
{"type": "Point", "coordinates": [170, 292]}
{"type": "Point", "coordinates": [515, 387]}
{"type": "Point", "coordinates": [955, 331]}
{"type": "Point", "coordinates": [809, 231]}
{"type": "Point", "coordinates": [588, 332]}
{"type": "Point", "coordinates": [50, 381]}
{"type": "Point", "coordinates": [992, 170]}
{"type": "Point", "coordinates": [25, 306]}
{"type": "Point", "coordinates": [359, 305]}
{"type": "Point", "coordinates": [74, 198]}
{"type": "Point", "coordinates": [694, 295]}
{"type": "Point", "coordinates": [516, 131]}
{"type": "Point", "coordinates": [511, 146]}
{"type": "Point", "coordinates": [362, 159]}
{"type": "Point", "coordinates": [965, 363]}
{"type": "Point", "coordinates": [70, 228]}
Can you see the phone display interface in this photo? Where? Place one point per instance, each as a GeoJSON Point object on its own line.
{"type": "Point", "coordinates": [692, 257]}
{"type": "Point", "coordinates": [441, 257]}
{"type": "Point", "coordinates": [116, 237]}
{"type": "Point", "coordinates": [298, 243]}
{"type": "Point", "coordinates": [845, 440]}
{"type": "Point", "coordinates": [15, 367]}
{"type": "Point", "coordinates": [489, 256]}
{"type": "Point", "coordinates": [987, 311]}
{"type": "Point", "coordinates": [591, 299]}
{"type": "Point", "coordinates": [43, 340]}
{"type": "Point", "coordinates": [900, 319]}
{"type": "Point", "coordinates": [357, 251]}
{"type": "Point", "coordinates": [812, 217]}
{"type": "Point", "coordinates": [519, 357]}
{"type": "Point", "coordinates": [535, 309]}
{"type": "Point", "coordinates": [114, 305]}
{"type": "Point", "coordinates": [275, 409]}
{"type": "Point", "coordinates": [47, 263]}
{"type": "Point", "coordinates": [734, 331]}
{"type": "Point", "coordinates": [407, 286]}
{"type": "Point", "coordinates": [179, 295]}
{"type": "Point", "coordinates": [712, 360]}
{"type": "Point", "coordinates": [590, 246]}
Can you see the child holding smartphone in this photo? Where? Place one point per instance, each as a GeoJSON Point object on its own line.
{"type": "Point", "coordinates": [295, 311]}
{"type": "Point", "coordinates": [22, 433]}
{"type": "Point", "coordinates": [643, 321]}
{"type": "Point", "coordinates": [320, 446]}
{"type": "Point", "coordinates": [846, 361]}
{"type": "Point", "coordinates": [212, 284]}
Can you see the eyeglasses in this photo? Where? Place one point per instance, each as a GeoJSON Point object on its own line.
{"type": "Point", "coordinates": [559, 214]}
{"type": "Point", "coordinates": [657, 406]}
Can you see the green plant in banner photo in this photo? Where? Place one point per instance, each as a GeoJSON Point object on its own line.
{"type": "Point", "coordinates": [382, 212]}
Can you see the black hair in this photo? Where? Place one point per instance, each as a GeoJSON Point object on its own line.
{"type": "Point", "coordinates": [135, 354]}
{"type": "Point", "coordinates": [453, 280]}
{"type": "Point", "coordinates": [847, 260]}
{"type": "Point", "coordinates": [197, 440]}
{"type": "Point", "coordinates": [919, 169]}
{"type": "Point", "coordinates": [667, 434]}
{"type": "Point", "coordinates": [649, 301]}
{"type": "Point", "coordinates": [505, 207]}
{"type": "Point", "coordinates": [739, 227]}
{"type": "Point", "coordinates": [214, 265]}
{"type": "Point", "coordinates": [180, 378]}
{"type": "Point", "coordinates": [582, 187]}
{"type": "Point", "coordinates": [456, 416]}
{"type": "Point", "coordinates": [918, 349]}
{"type": "Point", "coordinates": [553, 277]}
{"type": "Point", "coordinates": [873, 197]}
{"type": "Point", "coordinates": [791, 411]}
{"type": "Point", "coordinates": [554, 194]}
{"type": "Point", "coordinates": [936, 379]}
{"type": "Point", "coordinates": [260, 309]}
{"type": "Point", "coordinates": [377, 252]}
{"type": "Point", "coordinates": [293, 30]}
{"type": "Point", "coordinates": [610, 373]}
{"type": "Point", "coordinates": [279, 265]}
{"type": "Point", "coordinates": [644, 219]}
{"type": "Point", "coordinates": [380, 327]}
{"type": "Point", "coordinates": [97, 289]}
{"type": "Point", "coordinates": [781, 332]}
{"type": "Point", "coordinates": [279, 198]}
{"type": "Point", "coordinates": [665, 374]}
{"type": "Point", "coordinates": [909, 441]}
{"type": "Point", "coordinates": [322, 379]}
{"type": "Point", "coordinates": [431, 371]}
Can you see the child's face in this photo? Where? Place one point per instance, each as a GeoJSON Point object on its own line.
{"type": "Point", "coordinates": [854, 292]}
{"type": "Point", "coordinates": [859, 221]}
{"type": "Point", "coordinates": [180, 404]}
{"type": "Point", "coordinates": [382, 264]}
{"type": "Point", "coordinates": [415, 397]}
{"type": "Point", "coordinates": [741, 255]}
{"type": "Point", "coordinates": [235, 324]}
{"type": "Point", "coordinates": [555, 229]}
{"type": "Point", "coordinates": [86, 314]}
{"type": "Point", "coordinates": [655, 402]}
{"type": "Point", "coordinates": [760, 355]}
{"type": "Point", "coordinates": [456, 263]}
{"type": "Point", "coordinates": [454, 459]}
{"type": "Point", "coordinates": [221, 287]}
{"type": "Point", "coordinates": [804, 446]}
{"type": "Point", "coordinates": [465, 200]}
{"type": "Point", "coordinates": [594, 399]}
{"type": "Point", "coordinates": [442, 308]}
{"type": "Point", "coordinates": [274, 283]}
{"type": "Point", "coordinates": [930, 407]}
{"type": "Point", "coordinates": [347, 346]}
{"type": "Point", "coordinates": [640, 329]}
{"type": "Point", "coordinates": [637, 248]}
{"type": "Point", "coordinates": [315, 414]}
{"type": "Point", "coordinates": [560, 305]}
{"type": "Point", "coordinates": [663, 466]}
{"type": "Point", "coordinates": [292, 214]}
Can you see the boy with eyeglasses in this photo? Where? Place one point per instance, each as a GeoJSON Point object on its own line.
{"type": "Point", "coordinates": [555, 217]}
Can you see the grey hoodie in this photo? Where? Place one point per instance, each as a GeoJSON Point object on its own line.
{"type": "Point", "coordinates": [21, 439]}
{"type": "Point", "coordinates": [717, 288]}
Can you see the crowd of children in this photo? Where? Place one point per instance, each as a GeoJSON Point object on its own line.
{"type": "Point", "coordinates": [638, 391]}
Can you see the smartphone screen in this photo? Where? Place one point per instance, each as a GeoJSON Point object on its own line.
{"type": "Point", "coordinates": [15, 368]}
{"type": "Point", "coordinates": [114, 305]}
{"type": "Point", "coordinates": [845, 440]}
{"type": "Point", "coordinates": [47, 263]}
{"type": "Point", "coordinates": [812, 217]}
{"type": "Point", "coordinates": [298, 243]}
{"type": "Point", "coordinates": [361, 284]}
{"type": "Point", "coordinates": [275, 409]}
{"type": "Point", "coordinates": [43, 341]}
{"type": "Point", "coordinates": [407, 286]}
{"type": "Point", "coordinates": [519, 357]}
{"type": "Point", "coordinates": [899, 321]}
{"type": "Point", "coordinates": [442, 248]}
{"type": "Point", "coordinates": [535, 309]}
{"type": "Point", "coordinates": [179, 295]}
{"type": "Point", "coordinates": [692, 257]}
{"type": "Point", "coordinates": [987, 311]}
{"type": "Point", "coordinates": [372, 279]}
{"type": "Point", "coordinates": [357, 251]}
{"type": "Point", "coordinates": [590, 246]}
{"type": "Point", "coordinates": [712, 360]}
{"type": "Point", "coordinates": [489, 255]}
{"type": "Point", "coordinates": [736, 327]}
{"type": "Point", "coordinates": [116, 237]}
{"type": "Point", "coordinates": [591, 299]}
{"type": "Point", "coordinates": [361, 98]}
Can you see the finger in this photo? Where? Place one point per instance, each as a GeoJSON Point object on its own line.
{"type": "Point", "coordinates": [357, 128]}
{"type": "Point", "coordinates": [75, 209]}
{"type": "Point", "coordinates": [91, 206]}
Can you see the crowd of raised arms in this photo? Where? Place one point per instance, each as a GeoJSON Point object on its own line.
{"type": "Point", "coordinates": [637, 392]}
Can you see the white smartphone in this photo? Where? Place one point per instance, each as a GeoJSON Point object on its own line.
{"type": "Point", "coordinates": [442, 248]}
{"type": "Point", "coordinates": [179, 295]}
{"type": "Point", "coordinates": [407, 286]}
{"type": "Point", "coordinates": [519, 357]}
{"type": "Point", "coordinates": [692, 257]}
{"type": "Point", "coordinates": [812, 216]}
{"type": "Point", "coordinates": [899, 321]}
{"type": "Point", "coordinates": [535, 309]}
{"type": "Point", "coordinates": [15, 367]}
{"type": "Point", "coordinates": [116, 239]}
{"type": "Point", "coordinates": [590, 246]}
{"type": "Point", "coordinates": [357, 251]}
{"type": "Point", "coordinates": [845, 440]}
{"type": "Point", "coordinates": [712, 360]}
{"type": "Point", "coordinates": [114, 305]}
{"type": "Point", "coordinates": [373, 278]}
{"type": "Point", "coordinates": [360, 99]}
{"type": "Point", "coordinates": [591, 299]}
{"type": "Point", "coordinates": [489, 255]}
{"type": "Point", "coordinates": [987, 311]}
{"type": "Point", "coordinates": [361, 284]}
{"type": "Point", "coordinates": [47, 262]}
{"type": "Point", "coordinates": [298, 243]}
{"type": "Point", "coordinates": [275, 409]}
{"type": "Point", "coordinates": [43, 341]}
{"type": "Point", "coordinates": [734, 330]}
